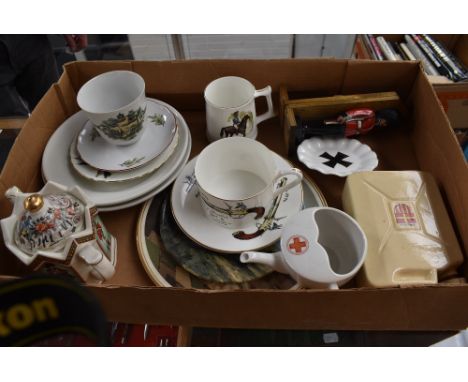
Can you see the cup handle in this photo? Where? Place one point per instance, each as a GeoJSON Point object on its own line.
{"type": "Point", "coordinates": [265, 92]}
{"type": "Point", "coordinates": [293, 171]}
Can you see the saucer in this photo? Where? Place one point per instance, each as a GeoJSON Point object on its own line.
{"type": "Point", "coordinates": [189, 215]}
{"type": "Point", "coordinates": [159, 131]}
{"type": "Point", "coordinates": [158, 257]}
{"type": "Point", "coordinates": [340, 157]}
{"type": "Point", "coordinates": [91, 173]}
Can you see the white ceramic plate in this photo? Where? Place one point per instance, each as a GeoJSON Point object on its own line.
{"type": "Point", "coordinates": [91, 173]}
{"type": "Point", "coordinates": [154, 192]}
{"type": "Point", "coordinates": [340, 157]}
{"type": "Point", "coordinates": [189, 215]}
{"type": "Point", "coordinates": [159, 130]}
{"type": "Point", "coordinates": [57, 167]}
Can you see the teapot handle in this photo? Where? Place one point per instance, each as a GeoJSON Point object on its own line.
{"type": "Point", "coordinates": [102, 267]}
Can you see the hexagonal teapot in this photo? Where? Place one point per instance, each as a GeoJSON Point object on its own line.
{"type": "Point", "coordinates": [58, 230]}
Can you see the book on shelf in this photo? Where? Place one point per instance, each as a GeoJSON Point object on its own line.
{"type": "Point", "coordinates": [407, 53]}
{"type": "Point", "coordinates": [431, 57]}
{"type": "Point", "coordinates": [387, 52]}
{"type": "Point", "coordinates": [362, 51]}
{"type": "Point", "coordinates": [435, 58]}
{"type": "Point", "coordinates": [457, 69]}
{"type": "Point", "coordinates": [395, 50]}
{"type": "Point", "coordinates": [369, 47]}
{"type": "Point", "coordinates": [428, 67]}
{"type": "Point", "coordinates": [376, 48]}
{"type": "Point", "coordinates": [398, 52]}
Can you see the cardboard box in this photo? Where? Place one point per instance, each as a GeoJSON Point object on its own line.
{"type": "Point", "coordinates": [424, 141]}
{"type": "Point", "coordinates": [455, 104]}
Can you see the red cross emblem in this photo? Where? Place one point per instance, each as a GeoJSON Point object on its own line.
{"type": "Point", "coordinates": [297, 245]}
{"type": "Point", "coordinates": [404, 215]}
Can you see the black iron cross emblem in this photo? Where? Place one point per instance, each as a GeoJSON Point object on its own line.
{"type": "Point", "coordinates": [337, 159]}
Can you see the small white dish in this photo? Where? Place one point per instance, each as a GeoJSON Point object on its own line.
{"type": "Point", "coordinates": [340, 157]}
{"type": "Point", "coordinates": [91, 173]}
{"type": "Point", "coordinates": [157, 136]}
{"type": "Point", "coordinates": [56, 167]}
{"type": "Point", "coordinates": [189, 215]}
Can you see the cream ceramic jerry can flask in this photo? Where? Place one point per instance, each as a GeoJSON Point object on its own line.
{"type": "Point", "coordinates": [58, 230]}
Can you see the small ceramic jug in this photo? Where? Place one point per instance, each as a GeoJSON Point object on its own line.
{"type": "Point", "coordinates": [58, 230]}
{"type": "Point", "coordinates": [320, 247]}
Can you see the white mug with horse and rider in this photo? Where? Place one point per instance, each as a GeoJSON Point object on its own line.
{"type": "Point", "coordinates": [230, 108]}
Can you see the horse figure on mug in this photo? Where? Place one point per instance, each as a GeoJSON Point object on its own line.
{"type": "Point", "coordinates": [236, 129]}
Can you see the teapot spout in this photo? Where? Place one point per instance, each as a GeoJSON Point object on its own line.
{"type": "Point", "coordinates": [273, 260]}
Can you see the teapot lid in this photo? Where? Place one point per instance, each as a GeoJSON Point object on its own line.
{"type": "Point", "coordinates": [47, 220]}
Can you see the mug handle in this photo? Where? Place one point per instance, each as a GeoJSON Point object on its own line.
{"type": "Point", "coordinates": [265, 92]}
{"type": "Point", "coordinates": [293, 171]}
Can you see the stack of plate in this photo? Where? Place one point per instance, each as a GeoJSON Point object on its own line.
{"type": "Point", "coordinates": [117, 177]}
{"type": "Point", "coordinates": [179, 246]}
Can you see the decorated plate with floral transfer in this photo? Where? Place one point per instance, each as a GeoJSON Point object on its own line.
{"type": "Point", "coordinates": [91, 173]}
{"type": "Point", "coordinates": [188, 213]}
{"type": "Point", "coordinates": [171, 259]}
{"type": "Point", "coordinates": [160, 129]}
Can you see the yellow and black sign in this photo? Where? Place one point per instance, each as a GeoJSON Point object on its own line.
{"type": "Point", "coordinates": [36, 308]}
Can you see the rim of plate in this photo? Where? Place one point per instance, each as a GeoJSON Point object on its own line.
{"type": "Point", "coordinates": [148, 171]}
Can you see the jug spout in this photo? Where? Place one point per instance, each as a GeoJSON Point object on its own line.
{"type": "Point", "coordinates": [273, 260]}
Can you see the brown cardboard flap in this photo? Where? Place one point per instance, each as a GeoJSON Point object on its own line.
{"type": "Point", "coordinates": [123, 224]}
{"type": "Point", "coordinates": [67, 94]}
{"type": "Point", "coordinates": [420, 308]}
{"type": "Point", "coordinates": [364, 76]}
{"type": "Point", "coordinates": [189, 77]}
{"type": "Point", "coordinates": [439, 153]}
